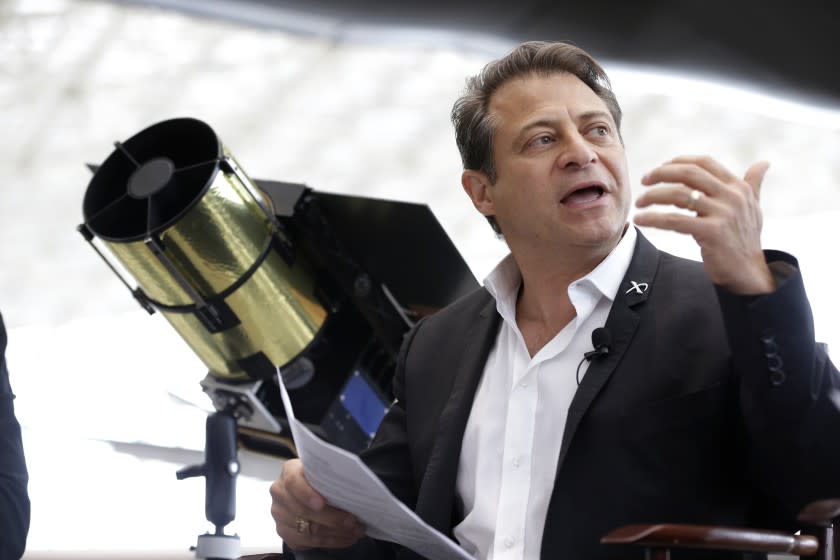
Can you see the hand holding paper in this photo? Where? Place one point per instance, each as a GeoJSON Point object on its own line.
{"type": "Point", "coordinates": [347, 484]}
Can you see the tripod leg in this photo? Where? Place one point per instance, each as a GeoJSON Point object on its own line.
{"type": "Point", "coordinates": [220, 469]}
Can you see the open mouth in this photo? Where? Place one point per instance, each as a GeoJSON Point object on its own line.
{"type": "Point", "coordinates": [583, 195]}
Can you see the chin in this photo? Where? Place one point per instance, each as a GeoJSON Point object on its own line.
{"type": "Point", "coordinates": [598, 233]}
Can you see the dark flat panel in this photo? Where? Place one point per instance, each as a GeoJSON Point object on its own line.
{"type": "Point", "coordinates": [402, 245]}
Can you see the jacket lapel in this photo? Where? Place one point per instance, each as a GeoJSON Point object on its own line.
{"type": "Point", "coordinates": [622, 322]}
{"type": "Point", "coordinates": [436, 498]}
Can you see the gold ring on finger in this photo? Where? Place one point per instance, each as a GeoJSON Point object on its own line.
{"type": "Point", "coordinates": [303, 526]}
{"type": "Point", "coordinates": [693, 198]}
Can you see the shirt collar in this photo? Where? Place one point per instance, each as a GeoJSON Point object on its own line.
{"type": "Point", "coordinates": [504, 280]}
{"type": "Point", "coordinates": [607, 276]}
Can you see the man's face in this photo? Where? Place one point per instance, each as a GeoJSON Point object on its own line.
{"type": "Point", "coordinates": [561, 169]}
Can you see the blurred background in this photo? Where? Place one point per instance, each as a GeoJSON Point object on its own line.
{"type": "Point", "coordinates": [347, 98]}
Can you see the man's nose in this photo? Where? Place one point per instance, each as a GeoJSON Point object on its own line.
{"type": "Point", "coordinates": [576, 152]}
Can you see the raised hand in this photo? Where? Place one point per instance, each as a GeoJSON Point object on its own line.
{"type": "Point", "coordinates": [726, 221]}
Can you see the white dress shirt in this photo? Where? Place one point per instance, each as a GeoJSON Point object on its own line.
{"type": "Point", "coordinates": [512, 441]}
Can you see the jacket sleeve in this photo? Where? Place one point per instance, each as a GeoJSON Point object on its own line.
{"type": "Point", "coordinates": [14, 500]}
{"type": "Point", "coordinates": [788, 390]}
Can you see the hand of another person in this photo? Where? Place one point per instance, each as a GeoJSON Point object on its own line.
{"type": "Point", "coordinates": [302, 516]}
{"type": "Point", "coordinates": [727, 220]}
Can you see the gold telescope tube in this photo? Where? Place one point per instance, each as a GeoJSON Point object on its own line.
{"type": "Point", "coordinates": [201, 240]}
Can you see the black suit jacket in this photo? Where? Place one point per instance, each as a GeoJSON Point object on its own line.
{"type": "Point", "coordinates": [709, 408]}
{"type": "Point", "coordinates": [14, 500]}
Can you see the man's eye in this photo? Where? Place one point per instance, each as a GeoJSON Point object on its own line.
{"type": "Point", "coordinates": [543, 140]}
{"type": "Point", "coordinates": [601, 130]}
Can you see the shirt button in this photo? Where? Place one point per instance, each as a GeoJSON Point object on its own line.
{"type": "Point", "coordinates": [508, 542]}
{"type": "Point", "coordinates": [524, 384]}
{"type": "Point", "coordinates": [516, 462]}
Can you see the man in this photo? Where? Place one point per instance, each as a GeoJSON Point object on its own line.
{"type": "Point", "coordinates": [14, 501]}
{"type": "Point", "coordinates": [708, 403]}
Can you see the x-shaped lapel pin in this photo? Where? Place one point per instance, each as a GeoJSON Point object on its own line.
{"type": "Point", "coordinates": [637, 287]}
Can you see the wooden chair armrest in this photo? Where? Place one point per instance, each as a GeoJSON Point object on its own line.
{"type": "Point", "coordinates": [821, 512]}
{"type": "Point", "coordinates": [712, 537]}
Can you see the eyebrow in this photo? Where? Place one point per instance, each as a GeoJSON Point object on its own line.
{"type": "Point", "coordinates": [592, 115]}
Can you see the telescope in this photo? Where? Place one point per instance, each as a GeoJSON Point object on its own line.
{"type": "Point", "coordinates": [260, 277]}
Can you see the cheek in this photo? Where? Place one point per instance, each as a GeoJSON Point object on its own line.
{"type": "Point", "coordinates": [618, 169]}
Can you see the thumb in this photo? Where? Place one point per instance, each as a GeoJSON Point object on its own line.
{"type": "Point", "coordinates": [755, 175]}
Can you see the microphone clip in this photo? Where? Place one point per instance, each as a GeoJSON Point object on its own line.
{"type": "Point", "coordinates": [601, 341]}
{"type": "Point", "coordinates": [600, 351]}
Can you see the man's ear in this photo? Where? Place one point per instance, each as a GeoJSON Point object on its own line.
{"type": "Point", "coordinates": [478, 188]}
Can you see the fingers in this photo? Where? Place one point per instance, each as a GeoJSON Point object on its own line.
{"type": "Point", "coordinates": [685, 173]}
{"type": "Point", "coordinates": [727, 219]}
{"type": "Point", "coordinates": [708, 163]}
{"type": "Point", "coordinates": [302, 517]}
{"type": "Point", "coordinates": [755, 176]}
{"type": "Point", "coordinates": [680, 196]}
{"type": "Point", "coordinates": [681, 223]}
{"type": "Point", "coordinates": [294, 481]}
{"type": "Point", "coordinates": [301, 532]}
{"type": "Point", "coordinates": [324, 520]}
{"type": "Point", "coordinates": [703, 174]}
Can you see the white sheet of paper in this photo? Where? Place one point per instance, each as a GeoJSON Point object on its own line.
{"type": "Point", "coordinates": [348, 484]}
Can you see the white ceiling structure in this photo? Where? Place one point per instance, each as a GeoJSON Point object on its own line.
{"type": "Point", "coordinates": [109, 396]}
